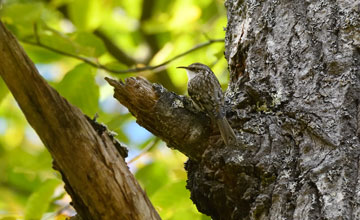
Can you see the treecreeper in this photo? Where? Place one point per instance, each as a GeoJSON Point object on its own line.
{"type": "Point", "coordinates": [205, 91]}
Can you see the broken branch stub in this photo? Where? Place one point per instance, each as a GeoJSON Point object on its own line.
{"type": "Point", "coordinates": [165, 114]}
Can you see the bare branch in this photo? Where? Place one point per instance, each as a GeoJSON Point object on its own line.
{"type": "Point", "coordinates": [103, 67]}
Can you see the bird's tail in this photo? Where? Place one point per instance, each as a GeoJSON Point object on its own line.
{"type": "Point", "coordinates": [227, 133]}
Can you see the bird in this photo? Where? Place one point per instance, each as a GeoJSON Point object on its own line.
{"type": "Point", "coordinates": [205, 92]}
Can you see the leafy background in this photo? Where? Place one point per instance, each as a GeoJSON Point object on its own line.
{"type": "Point", "coordinates": [62, 37]}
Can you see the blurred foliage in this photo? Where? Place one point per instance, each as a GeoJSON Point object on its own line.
{"type": "Point", "coordinates": [59, 35]}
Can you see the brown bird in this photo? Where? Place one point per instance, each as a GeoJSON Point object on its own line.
{"type": "Point", "coordinates": [205, 92]}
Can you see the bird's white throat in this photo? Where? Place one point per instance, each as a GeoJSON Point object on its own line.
{"type": "Point", "coordinates": [191, 74]}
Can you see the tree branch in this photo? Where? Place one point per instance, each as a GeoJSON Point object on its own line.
{"type": "Point", "coordinates": [131, 70]}
{"type": "Point", "coordinates": [85, 153]}
{"type": "Point", "coordinates": [165, 114]}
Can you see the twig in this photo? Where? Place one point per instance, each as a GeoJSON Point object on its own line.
{"type": "Point", "coordinates": [131, 70]}
{"type": "Point", "coordinates": [38, 43]}
{"type": "Point", "coordinates": [199, 46]}
{"type": "Point", "coordinates": [145, 150]}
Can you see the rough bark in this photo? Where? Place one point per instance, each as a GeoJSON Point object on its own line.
{"type": "Point", "coordinates": [165, 114]}
{"type": "Point", "coordinates": [90, 160]}
{"type": "Point", "coordinates": [293, 100]}
{"type": "Point", "coordinates": [302, 60]}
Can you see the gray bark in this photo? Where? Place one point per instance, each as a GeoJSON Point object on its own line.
{"type": "Point", "coordinates": [294, 101]}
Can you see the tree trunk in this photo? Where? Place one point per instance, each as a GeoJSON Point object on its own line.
{"type": "Point", "coordinates": [296, 114]}
{"type": "Point", "coordinates": [293, 100]}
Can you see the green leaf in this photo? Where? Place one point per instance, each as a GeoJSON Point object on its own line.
{"type": "Point", "coordinates": [3, 90]}
{"type": "Point", "coordinates": [24, 170]}
{"type": "Point", "coordinates": [132, 8]}
{"type": "Point", "coordinates": [41, 55]}
{"type": "Point", "coordinates": [91, 45]}
{"type": "Point", "coordinates": [86, 14]}
{"type": "Point", "coordinates": [16, 12]}
{"type": "Point", "coordinates": [171, 195]}
{"type": "Point", "coordinates": [153, 176]}
{"type": "Point", "coordinates": [58, 42]}
{"type": "Point", "coordinates": [20, 17]}
{"type": "Point", "coordinates": [39, 201]}
{"type": "Point", "coordinates": [79, 43]}
{"type": "Point", "coordinates": [173, 202]}
{"type": "Point", "coordinates": [80, 89]}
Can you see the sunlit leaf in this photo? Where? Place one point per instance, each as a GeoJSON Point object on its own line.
{"type": "Point", "coordinates": [13, 136]}
{"type": "Point", "coordinates": [25, 170]}
{"type": "Point", "coordinates": [86, 14]}
{"type": "Point", "coordinates": [185, 15]}
{"type": "Point", "coordinates": [91, 45]}
{"type": "Point", "coordinates": [187, 212]}
{"type": "Point", "coordinates": [20, 17]}
{"type": "Point", "coordinates": [58, 42]}
{"type": "Point", "coordinates": [209, 11]}
{"type": "Point", "coordinates": [79, 88]}
{"type": "Point", "coordinates": [79, 43]}
{"type": "Point", "coordinates": [40, 199]}
{"type": "Point", "coordinates": [173, 202]}
{"type": "Point", "coordinates": [132, 8]}
{"type": "Point", "coordinates": [153, 176]}
{"type": "Point", "coordinates": [41, 55]}
{"type": "Point", "coordinates": [11, 201]}
{"type": "Point", "coordinates": [15, 12]}
{"type": "Point", "coordinates": [178, 195]}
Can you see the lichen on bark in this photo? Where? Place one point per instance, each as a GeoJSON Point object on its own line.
{"type": "Point", "coordinates": [299, 125]}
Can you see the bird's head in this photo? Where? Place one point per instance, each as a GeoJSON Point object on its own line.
{"type": "Point", "coordinates": [195, 69]}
